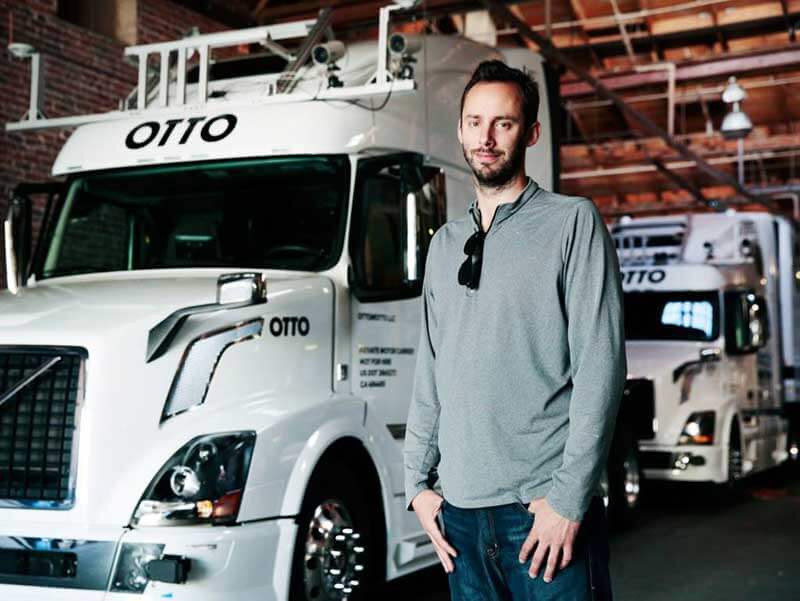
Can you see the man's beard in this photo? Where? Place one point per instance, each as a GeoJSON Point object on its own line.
{"type": "Point", "coordinates": [506, 171]}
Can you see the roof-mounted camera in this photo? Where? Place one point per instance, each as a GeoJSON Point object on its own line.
{"type": "Point", "coordinates": [402, 50]}
{"type": "Point", "coordinates": [325, 55]}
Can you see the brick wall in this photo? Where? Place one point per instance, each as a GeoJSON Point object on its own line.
{"type": "Point", "coordinates": [84, 73]}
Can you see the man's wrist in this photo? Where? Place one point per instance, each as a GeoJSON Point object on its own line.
{"type": "Point", "coordinates": [569, 513]}
{"type": "Point", "coordinates": [414, 495]}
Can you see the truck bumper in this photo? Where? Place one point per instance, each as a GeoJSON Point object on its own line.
{"type": "Point", "coordinates": [239, 563]}
{"type": "Point", "coordinates": [683, 463]}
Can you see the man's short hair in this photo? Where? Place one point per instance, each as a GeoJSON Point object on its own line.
{"type": "Point", "coordinates": [498, 71]}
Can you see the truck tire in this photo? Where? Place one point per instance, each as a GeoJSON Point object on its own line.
{"type": "Point", "coordinates": [340, 546]}
{"type": "Point", "coordinates": [624, 479]}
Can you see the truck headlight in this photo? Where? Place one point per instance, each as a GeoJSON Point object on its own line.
{"type": "Point", "coordinates": [699, 429]}
{"type": "Point", "coordinates": [202, 483]}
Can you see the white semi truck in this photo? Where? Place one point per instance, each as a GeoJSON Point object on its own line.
{"type": "Point", "coordinates": [712, 302]}
{"type": "Point", "coordinates": [206, 361]}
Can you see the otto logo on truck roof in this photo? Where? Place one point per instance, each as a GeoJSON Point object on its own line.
{"type": "Point", "coordinates": [145, 133]}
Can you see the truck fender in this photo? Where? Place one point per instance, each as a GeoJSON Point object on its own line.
{"type": "Point", "coordinates": [726, 416]}
{"type": "Point", "coordinates": [337, 425]}
{"type": "Point", "coordinates": [342, 419]}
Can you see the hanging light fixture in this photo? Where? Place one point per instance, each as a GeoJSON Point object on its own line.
{"type": "Point", "coordinates": [736, 124]}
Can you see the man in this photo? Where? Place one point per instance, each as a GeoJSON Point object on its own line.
{"type": "Point", "coordinates": [520, 370]}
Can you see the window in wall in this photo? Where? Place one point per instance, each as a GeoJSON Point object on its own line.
{"type": "Point", "coordinates": [113, 18]}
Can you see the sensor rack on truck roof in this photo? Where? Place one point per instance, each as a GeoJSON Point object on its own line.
{"type": "Point", "coordinates": [643, 243]}
{"type": "Point", "coordinates": [170, 90]}
{"type": "Point", "coordinates": [698, 238]}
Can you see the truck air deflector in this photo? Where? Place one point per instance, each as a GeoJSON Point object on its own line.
{"type": "Point", "coordinates": [234, 291]}
{"type": "Point", "coordinates": [199, 362]}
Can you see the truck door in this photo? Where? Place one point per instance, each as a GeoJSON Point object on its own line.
{"type": "Point", "coordinates": [765, 357]}
{"type": "Point", "coordinates": [399, 203]}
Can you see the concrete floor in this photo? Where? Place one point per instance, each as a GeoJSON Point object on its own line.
{"type": "Point", "coordinates": [692, 544]}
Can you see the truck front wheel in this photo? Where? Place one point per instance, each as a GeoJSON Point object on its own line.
{"type": "Point", "coordinates": [339, 551]}
{"type": "Point", "coordinates": [624, 479]}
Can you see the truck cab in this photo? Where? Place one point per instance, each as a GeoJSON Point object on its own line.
{"type": "Point", "coordinates": [710, 308]}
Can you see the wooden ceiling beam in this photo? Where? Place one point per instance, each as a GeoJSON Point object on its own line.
{"type": "Point", "coordinates": [711, 69]}
{"type": "Point", "coordinates": [624, 152]}
{"type": "Point", "coordinates": [259, 8]}
{"type": "Point", "coordinates": [515, 9]}
{"type": "Point", "coordinates": [578, 10]}
{"type": "Point", "coordinates": [623, 32]}
{"type": "Point", "coordinates": [680, 181]}
{"type": "Point", "coordinates": [358, 12]}
{"type": "Point", "coordinates": [304, 8]}
{"type": "Point", "coordinates": [580, 15]}
{"type": "Point", "coordinates": [696, 30]}
{"type": "Point", "coordinates": [554, 55]}
{"type": "Point", "coordinates": [787, 21]}
{"type": "Point", "coordinates": [720, 34]}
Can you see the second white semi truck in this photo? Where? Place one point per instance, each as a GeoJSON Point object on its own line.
{"type": "Point", "coordinates": [712, 302]}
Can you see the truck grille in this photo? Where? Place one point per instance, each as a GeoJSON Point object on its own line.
{"type": "Point", "coordinates": [40, 389]}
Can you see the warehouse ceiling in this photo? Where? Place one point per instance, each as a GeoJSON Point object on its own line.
{"type": "Point", "coordinates": [655, 54]}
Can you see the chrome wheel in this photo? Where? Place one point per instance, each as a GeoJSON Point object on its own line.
{"type": "Point", "coordinates": [333, 562]}
{"type": "Point", "coordinates": [624, 478]}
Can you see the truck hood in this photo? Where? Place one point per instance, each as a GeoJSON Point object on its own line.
{"type": "Point", "coordinates": [85, 312]}
{"type": "Point", "coordinates": [122, 441]}
{"type": "Point", "coordinates": [656, 360]}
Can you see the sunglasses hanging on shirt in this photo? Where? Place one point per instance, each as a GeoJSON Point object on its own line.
{"type": "Point", "coordinates": [469, 274]}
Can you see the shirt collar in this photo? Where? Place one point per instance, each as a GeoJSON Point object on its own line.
{"type": "Point", "coordinates": [506, 209]}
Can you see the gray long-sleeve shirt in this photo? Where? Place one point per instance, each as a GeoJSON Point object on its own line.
{"type": "Point", "coordinates": [518, 382]}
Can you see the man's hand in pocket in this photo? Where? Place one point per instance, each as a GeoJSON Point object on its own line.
{"type": "Point", "coordinates": [552, 536]}
{"type": "Point", "coordinates": [427, 506]}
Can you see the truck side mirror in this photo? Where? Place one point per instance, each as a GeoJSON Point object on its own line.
{"type": "Point", "coordinates": [238, 288]}
{"type": "Point", "coordinates": [17, 232]}
{"type": "Point", "coordinates": [710, 354]}
{"type": "Point", "coordinates": [747, 323]}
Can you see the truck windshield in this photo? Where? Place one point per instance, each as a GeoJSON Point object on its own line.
{"type": "Point", "coordinates": [280, 213]}
{"type": "Point", "coordinates": [679, 315]}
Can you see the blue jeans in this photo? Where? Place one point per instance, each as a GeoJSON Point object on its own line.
{"type": "Point", "coordinates": [488, 541]}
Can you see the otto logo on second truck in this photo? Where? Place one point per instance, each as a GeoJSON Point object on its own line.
{"type": "Point", "coordinates": [640, 276]}
{"type": "Point", "coordinates": [213, 130]}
